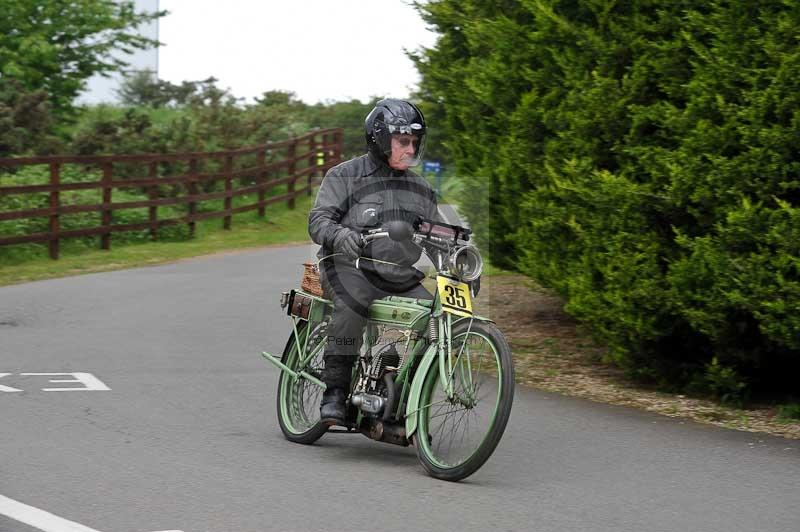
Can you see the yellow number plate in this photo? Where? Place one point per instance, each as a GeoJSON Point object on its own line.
{"type": "Point", "coordinates": [455, 296]}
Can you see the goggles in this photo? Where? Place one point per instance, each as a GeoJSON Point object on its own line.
{"type": "Point", "coordinates": [404, 129]}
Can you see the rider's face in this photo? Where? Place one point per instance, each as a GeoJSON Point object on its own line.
{"type": "Point", "coordinates": [403, 149]}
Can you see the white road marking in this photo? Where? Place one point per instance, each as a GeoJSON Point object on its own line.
{"type": "Point", "coordinates": [39, 518]}
{"type": "Point", "coordinates": [42, 520]}
{"type": "Point", "coordinates": [89, 381]}
{"type": "Point", "coordinates": [7, 388]}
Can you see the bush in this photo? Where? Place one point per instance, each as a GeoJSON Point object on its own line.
{"type": "Point", "coordinates": [641, 159]}
{"type": "Point", "coordinates": [723, 383]}
{"type": "Point", "coordinates": [26, 122]}
{"type": "Point", "coordinates": [789, 412]}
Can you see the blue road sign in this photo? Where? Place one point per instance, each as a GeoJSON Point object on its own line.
{"type": "Point", "coordinates": [432, 166]}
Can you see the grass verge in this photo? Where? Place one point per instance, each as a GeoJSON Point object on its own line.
{"type": "Point", "coordinates": [280, 226]}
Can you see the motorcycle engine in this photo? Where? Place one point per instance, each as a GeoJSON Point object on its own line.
{"type": "Point", "coordinates": [388, 357]}
{"type": "Point", "coordinates": [371, 395]}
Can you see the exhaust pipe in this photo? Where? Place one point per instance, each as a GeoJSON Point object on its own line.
{"type": "Point", "coordinates": [391, 395]}
{"type": "Point", "coordinates": [386, 432]}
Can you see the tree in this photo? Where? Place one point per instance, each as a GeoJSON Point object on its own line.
{"type": "Point", "coordinates": [277, 97]}
{"type": "Point", "coordinates": [57, 45]}
{"type": "Point", "coordinates": [25, 121]}
{"type": "Point", "coordinates": [347, 115]}
{"type": "Point", "coordinates": [143, 88]}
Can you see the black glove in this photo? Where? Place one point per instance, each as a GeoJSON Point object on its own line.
{"type": "Point", "coordinates": [347, 242]}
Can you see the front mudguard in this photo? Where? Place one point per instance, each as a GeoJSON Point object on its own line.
{"type": "Point", "coordinates": [412, 406]}
{"type": "Point", "coordinates": [428, 359]}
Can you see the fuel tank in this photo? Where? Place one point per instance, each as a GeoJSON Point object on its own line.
{"type": "Point", "coordinates": [401, 312]}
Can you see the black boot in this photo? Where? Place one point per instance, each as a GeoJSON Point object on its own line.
{"type": "Point", "coordinates": [332, 409]}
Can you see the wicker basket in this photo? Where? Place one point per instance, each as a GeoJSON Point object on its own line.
{"type": "Point", "coordinates": [311, 283]}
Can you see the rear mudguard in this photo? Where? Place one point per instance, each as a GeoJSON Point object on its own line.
{"type": "Point", "coordinates": [429, 358]}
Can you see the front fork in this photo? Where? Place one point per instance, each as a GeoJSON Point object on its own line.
{"type": "Point", "coordinates": [448, 363]}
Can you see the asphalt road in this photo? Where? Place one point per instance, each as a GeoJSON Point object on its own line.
{"type": "Point", "coordinates": [186, 436]}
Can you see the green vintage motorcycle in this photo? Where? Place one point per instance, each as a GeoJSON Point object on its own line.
{"type": "Point", "coordinates": [430, 373]}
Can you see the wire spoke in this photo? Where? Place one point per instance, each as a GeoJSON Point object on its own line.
{"type": "Point", "coordinates": [304, 396]}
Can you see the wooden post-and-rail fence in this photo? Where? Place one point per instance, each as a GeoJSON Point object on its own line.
{"type": "Point", "coordinates": [256, 171]}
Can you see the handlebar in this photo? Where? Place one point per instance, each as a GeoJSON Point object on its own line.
{"type": "Point", "coordinates": [416, 238]}
{"type": "Point", "coordinates": [375, 235]}
{"type": "Point", "coordinates": [439, 241]}
{"type": "Point", "coordinates": [422, 230]}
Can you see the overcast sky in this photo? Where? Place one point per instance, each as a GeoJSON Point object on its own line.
{"type": "Point", "coordinates": [319, 49]}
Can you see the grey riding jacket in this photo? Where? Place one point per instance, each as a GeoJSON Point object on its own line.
{"type": "Point", "coordinates": [363, 193]}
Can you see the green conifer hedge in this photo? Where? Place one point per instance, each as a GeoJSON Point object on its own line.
{"type": "Point", "coordinates": [643, 159]}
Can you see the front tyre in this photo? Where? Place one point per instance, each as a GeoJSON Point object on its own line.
{"type": "Point", "coordinates": [455, 436]}
{"type": "Point", "coordinates": [299, 399]}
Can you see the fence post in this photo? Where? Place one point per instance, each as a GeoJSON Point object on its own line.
{"type": "Point", "coordinates": [338, 141]}
{"type": "Point", "coordinates": [55, 223]}
{"type": "Point", "coordinates": [262, 178]}
{"type": "Point", "coordinates": [191, 187]}
{"type": "Point", "coordinates": [322, 161]}
{"type": "Point", "coordinates": [226, 223]}
{"type": "Point", "coordinates": [105, 238]}
{"type": "Point", "coordinates": [153, 193]}
{"type": "Point", "coordinates": [291, 153]}
{"type": "Point", "coordinates": [327, 141]}
{"type": "Point", "coordinates": [313, 159]}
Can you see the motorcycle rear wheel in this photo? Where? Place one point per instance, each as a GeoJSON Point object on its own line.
{"type": "Point", "coordinates": [456, 436]}
{"type": "Point", "coordinates": [299, 399]}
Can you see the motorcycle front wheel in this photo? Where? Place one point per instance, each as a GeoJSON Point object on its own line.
{"type": "Point", "coordinates": [456, 435]}
{"type": "Point", "coordinates": [299, 399]}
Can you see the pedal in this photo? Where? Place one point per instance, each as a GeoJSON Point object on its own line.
{"type": "Point", "coordinates": [342, 430]}
{"type": "Point", "coordinates": [343, 426]}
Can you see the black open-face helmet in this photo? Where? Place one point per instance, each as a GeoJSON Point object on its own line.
{"type": "Point", "coordinates": [394, 117]}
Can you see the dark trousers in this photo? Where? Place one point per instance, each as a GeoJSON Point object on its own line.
{"type": "Point", "coordinates": [351, 292]}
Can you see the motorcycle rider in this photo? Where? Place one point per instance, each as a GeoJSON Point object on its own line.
{"type": "Point", "coordinates": [364, 193]}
